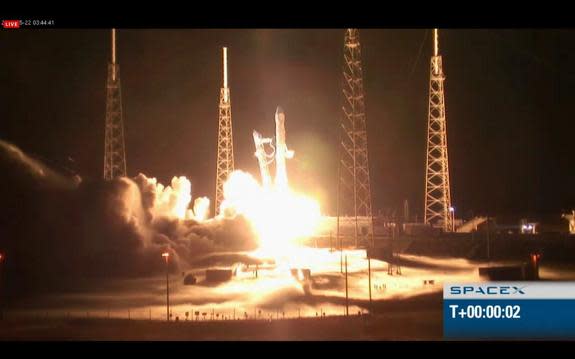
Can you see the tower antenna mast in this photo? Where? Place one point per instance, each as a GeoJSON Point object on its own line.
{"type": "Point", "coordinates": [438, 210]}
{"type": "Point", "coordinates": [225, 160]}
{"type": "Point", "coordinates": [114, 146]}
{"type": "Point", "coordinates": [354, 190]}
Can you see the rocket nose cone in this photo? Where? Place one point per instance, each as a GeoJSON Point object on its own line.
{"type": "Point", "coordinates": [279, 111]}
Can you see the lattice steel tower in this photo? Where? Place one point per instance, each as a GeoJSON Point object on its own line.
{"type": "Point", "coordinates": [437, 191]}
{"type": "Point", "coordinates": [225, 162]}
{"type": "Point", "coordinates": [354, 192]}
{"type": "Point", "coordinates": [114, 148]}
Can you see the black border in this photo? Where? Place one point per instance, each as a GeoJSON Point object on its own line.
{"type": "Point", "coordinates": [294, 14]}
{"type": "Point", "coordinates": [271, 349]}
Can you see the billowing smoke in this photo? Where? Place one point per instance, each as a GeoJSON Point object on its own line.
{"type": "Point", "coordinates": [58, 230]}
{"type": "Point", "coordinates": [201, 208]}
{"type": "Point", "coordinates": [168, 222]}
{"type": "Point", "coordinates": [171, 201]}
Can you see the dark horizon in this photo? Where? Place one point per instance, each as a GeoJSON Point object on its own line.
{"type": "Point", "coordinates": [508, 104]}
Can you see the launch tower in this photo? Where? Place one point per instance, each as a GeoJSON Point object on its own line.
{"type": "Point", "coordinates": [438, 210]}
{"type": "Point", "coordinates": [354, 192]}
{"type": "Point", "coordinates": [114, 148]}
{"type": "Point", "coordinates": [225, 161]}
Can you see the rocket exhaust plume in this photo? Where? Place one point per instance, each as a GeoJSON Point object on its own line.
{"type": "Point", "coordinates": [279, 215]}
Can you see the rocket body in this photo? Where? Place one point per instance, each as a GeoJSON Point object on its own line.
{"type": "Point", "coordinates": [282, 151]}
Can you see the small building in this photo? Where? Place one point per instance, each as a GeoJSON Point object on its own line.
{"type": "Point", "coordinates": [528, 227]}
{"type": "Point", "coordinates": [571, 218]}
{"type": "Point", "coordinates": [190, 279]}
{"type": "Point", "coordinates": [301, 274]}
{"type": "Point", "coordinates": [218, 275]}
{"type": "Point", "coordinates": [420, 229]}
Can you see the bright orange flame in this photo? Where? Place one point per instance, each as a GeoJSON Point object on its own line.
{"type": "Point", "coordinates": [279, 215]}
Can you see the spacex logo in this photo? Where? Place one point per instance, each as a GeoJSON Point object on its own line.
{"type": "Point", "coordinates": [510, 290]}
{"type": "Point", "coordinates": [486, 290]}
{"type": "Point", "coordinates": [11, 24]}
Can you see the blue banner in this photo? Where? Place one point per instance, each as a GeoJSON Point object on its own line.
{"type": "Point", "coordinates": [515, 310]}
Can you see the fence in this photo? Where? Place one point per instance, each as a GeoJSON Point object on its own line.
{"type": "Point", "coordinates": [156, 314]}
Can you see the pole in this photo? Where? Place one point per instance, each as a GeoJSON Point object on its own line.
{"type": "Point", "coordinates": [225, 67]}
{"type": "Point", "coordinates": [167, 290]}
{"type": "Point", "coordinates": [488, 241]}
{"type": "Point", "coordinates": [473, 229]}
{"type": "Point", "coordinates": [113, 46]}
{"type": "Point", "coordinates": [337, 237]}
{"type": "Point", "coordinates": [369, 278]}
{"type": "Point", "coordinates": [354, 180]}
{"type": "Point", "coordinates": [1, 293]}
{"type": "Point", "coordinates": [372, 239]}
{"type": "Point", "coordinates": [340, 255]}
{"type": "Point", "coordinates": [114, 54]}
{"type": "Point", "coordinates": [435, 42]}
{"type": "Point", "coordinates": [330, 246]}
{"type": "Point", "coordinates": [346, 290]}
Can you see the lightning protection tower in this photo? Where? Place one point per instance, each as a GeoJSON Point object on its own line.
{"type": "Point", "coordinates": [354, 192]}
{"type": "Point", "coordinates": [438, 210]}
{"type": "Point", "coordinates": [225, 161]}
{"type": "Point", "coordinates": [114, 148]}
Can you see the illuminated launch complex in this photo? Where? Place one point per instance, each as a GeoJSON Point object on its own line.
{"type": "Point", "coordinates": [311, 222]}
{"type": "Point", "coordinates": [354, 218]}
{"type": "Point", "coordinates": [310, 234]}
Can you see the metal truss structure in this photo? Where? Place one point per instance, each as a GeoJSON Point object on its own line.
{"type": "Point", "coordinates": [114, 147]}
{"type": "Point", "coordinates": [438, 210]}
{"type": "Point", "coordinates": [225, 159]}
{"type": "Point", "coordinates": [354, 191]}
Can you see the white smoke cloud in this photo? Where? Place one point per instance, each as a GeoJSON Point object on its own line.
{"type": "Point", "coordinates": [37, 170]}
{"type": "Point", "coordinates": [169, 201]}
{"type": "Point", "coordinates": [169, 222]}
{"type": "Point", "coordinates": [201, 208]}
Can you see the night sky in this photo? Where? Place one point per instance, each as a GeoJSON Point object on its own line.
{"type": "Point", "coordinates": [509, 102]}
